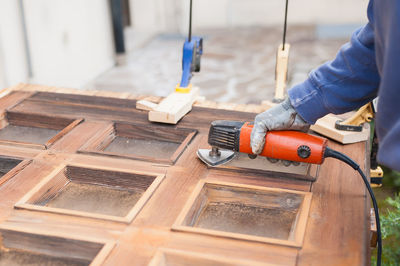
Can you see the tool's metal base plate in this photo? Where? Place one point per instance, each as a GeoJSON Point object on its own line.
{"type": "Point", "coordinates": [204, 156]}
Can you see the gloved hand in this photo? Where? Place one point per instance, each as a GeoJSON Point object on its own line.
{"type": "Point", "coordinates": [280, 117]}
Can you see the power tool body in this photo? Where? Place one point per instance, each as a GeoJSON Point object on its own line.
{"type": "Point", "coordinates": [234, 136]}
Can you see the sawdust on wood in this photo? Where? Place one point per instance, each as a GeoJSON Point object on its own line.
{"type": "Point", "coordinates": [149, 148]}
{"type": "Point", "coordinates": [14, 257]}
{"type": "Point", "coordinates": [236, 217]}
{"type": "Point", "coordinates": [95, 199]}
{"type": "Point", "coordinates": [34, 135]}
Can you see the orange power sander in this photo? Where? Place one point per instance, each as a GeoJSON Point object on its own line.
{"type": "Point", "coordinates": [229, 137]}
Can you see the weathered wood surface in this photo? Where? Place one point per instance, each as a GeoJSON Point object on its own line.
{"type": "Point", "coordinates": [337, 228]}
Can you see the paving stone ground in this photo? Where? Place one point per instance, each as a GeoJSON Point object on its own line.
{"type": "Point", "coordinates": [238, 65]}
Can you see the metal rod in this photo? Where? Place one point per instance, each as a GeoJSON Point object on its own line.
{"type": "Point", "coordinates": [26, 40]}
{"type": "Point", "coordinates": [285, 26]}
{"type": "Point", "coordinates": [190, 22]}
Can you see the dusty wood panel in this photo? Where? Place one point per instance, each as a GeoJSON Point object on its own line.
{"type": "Point", "coordinates": [34, 131]}
{"type": "Point", "coordinates": [19, 246]}
{"type": "Point", "coordinates": [252, 213]}
{"type": "Point", "coordinates": [96, 193]}
{"type": "Point", "coordinates": [162, 144]}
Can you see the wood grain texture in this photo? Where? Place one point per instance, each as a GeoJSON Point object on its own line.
{"type": "Point", "coordinates": [11, 171]}
{"type": "Point", "coordinates": [339, 199]}
{"type": "Point", "coordinates": [241, 212]}
{"type": "Point", "coordinates": [160, 144]}
{"type": "Point", "coordinates": [83, 202]}
{"type": "Point", "coordinates": [91, 108]}
{"type": "Point", "coordinates": [169, 257]}
{"type": "Point", "coordinates": [336, 231]}
{"type": "Point", "coordinates": [88, 251]}
{"type": "Point", "coordinates": [34, 131]}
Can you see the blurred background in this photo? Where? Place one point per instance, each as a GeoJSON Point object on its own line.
{"type": "Point", "coordinates": [136, 45]}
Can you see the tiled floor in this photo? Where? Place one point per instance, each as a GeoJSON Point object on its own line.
{"type": "Point", "coordinates": [238, 65]}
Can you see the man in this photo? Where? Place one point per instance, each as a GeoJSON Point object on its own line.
{"type": "Point", "coordinates": [366, 67]}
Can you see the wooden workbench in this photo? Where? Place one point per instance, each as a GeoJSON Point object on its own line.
{"type": "Point", "coordinates": [331, 226]}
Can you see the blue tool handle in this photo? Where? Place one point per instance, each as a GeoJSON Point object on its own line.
{"type": "Point", "coordinates": [191, 50]}
{"type": "Point", "coordinates": [188, 48]}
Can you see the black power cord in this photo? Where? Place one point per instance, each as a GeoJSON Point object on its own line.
{"type": "Point", "coordinates": [344, 158]}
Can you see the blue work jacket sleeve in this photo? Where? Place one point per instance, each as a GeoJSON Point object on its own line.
{"type": "Point", "coordinates": [344, 84]}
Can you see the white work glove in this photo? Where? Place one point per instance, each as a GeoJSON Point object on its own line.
{"type": "Point", "coordinates": [280, 117]}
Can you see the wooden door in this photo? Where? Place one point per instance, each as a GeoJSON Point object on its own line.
{"type": "Point", "coordinates": [88, 180]}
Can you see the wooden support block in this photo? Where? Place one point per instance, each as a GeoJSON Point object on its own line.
{"type": "Point", "coordinates": [326, 126]}
{"type": "Point", "coordinates": [282, 59]}
{"type": "Point", "coordinates": [145, 105]}
{"type": "Point", "coordinates": [174, 107]}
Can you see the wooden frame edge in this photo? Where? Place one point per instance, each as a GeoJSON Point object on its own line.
{"type": "Point", "coordinates": [137, 207]}
{"type": "Point", "coordinates": [189, 203]}
{"type": "Point", "coordinates": [22, 144]}
{"type": "Point", "coordinates": [158, 256]}
{"type": "Point", "coordinates": [144, 198]}
{"type": "Point", "coordinates": [301, 223]}
{"type": "Point", "coordinates": [182, 147]}
{"type": "Point", "coordinates": [14, 171]}
{"type": "Point", "coordinates": [89, 148]}
{"type": "Point", "coordinates": [63, 132]}
{"type": "Point", "coordinates": [300, 226]}
{"type": "Point", "coordinates": [48, 143]}
{"type": "Point", "coordinates": [101, 256]}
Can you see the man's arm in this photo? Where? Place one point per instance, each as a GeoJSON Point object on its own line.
{"type": "Point", "coordinates": [344, 84]}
